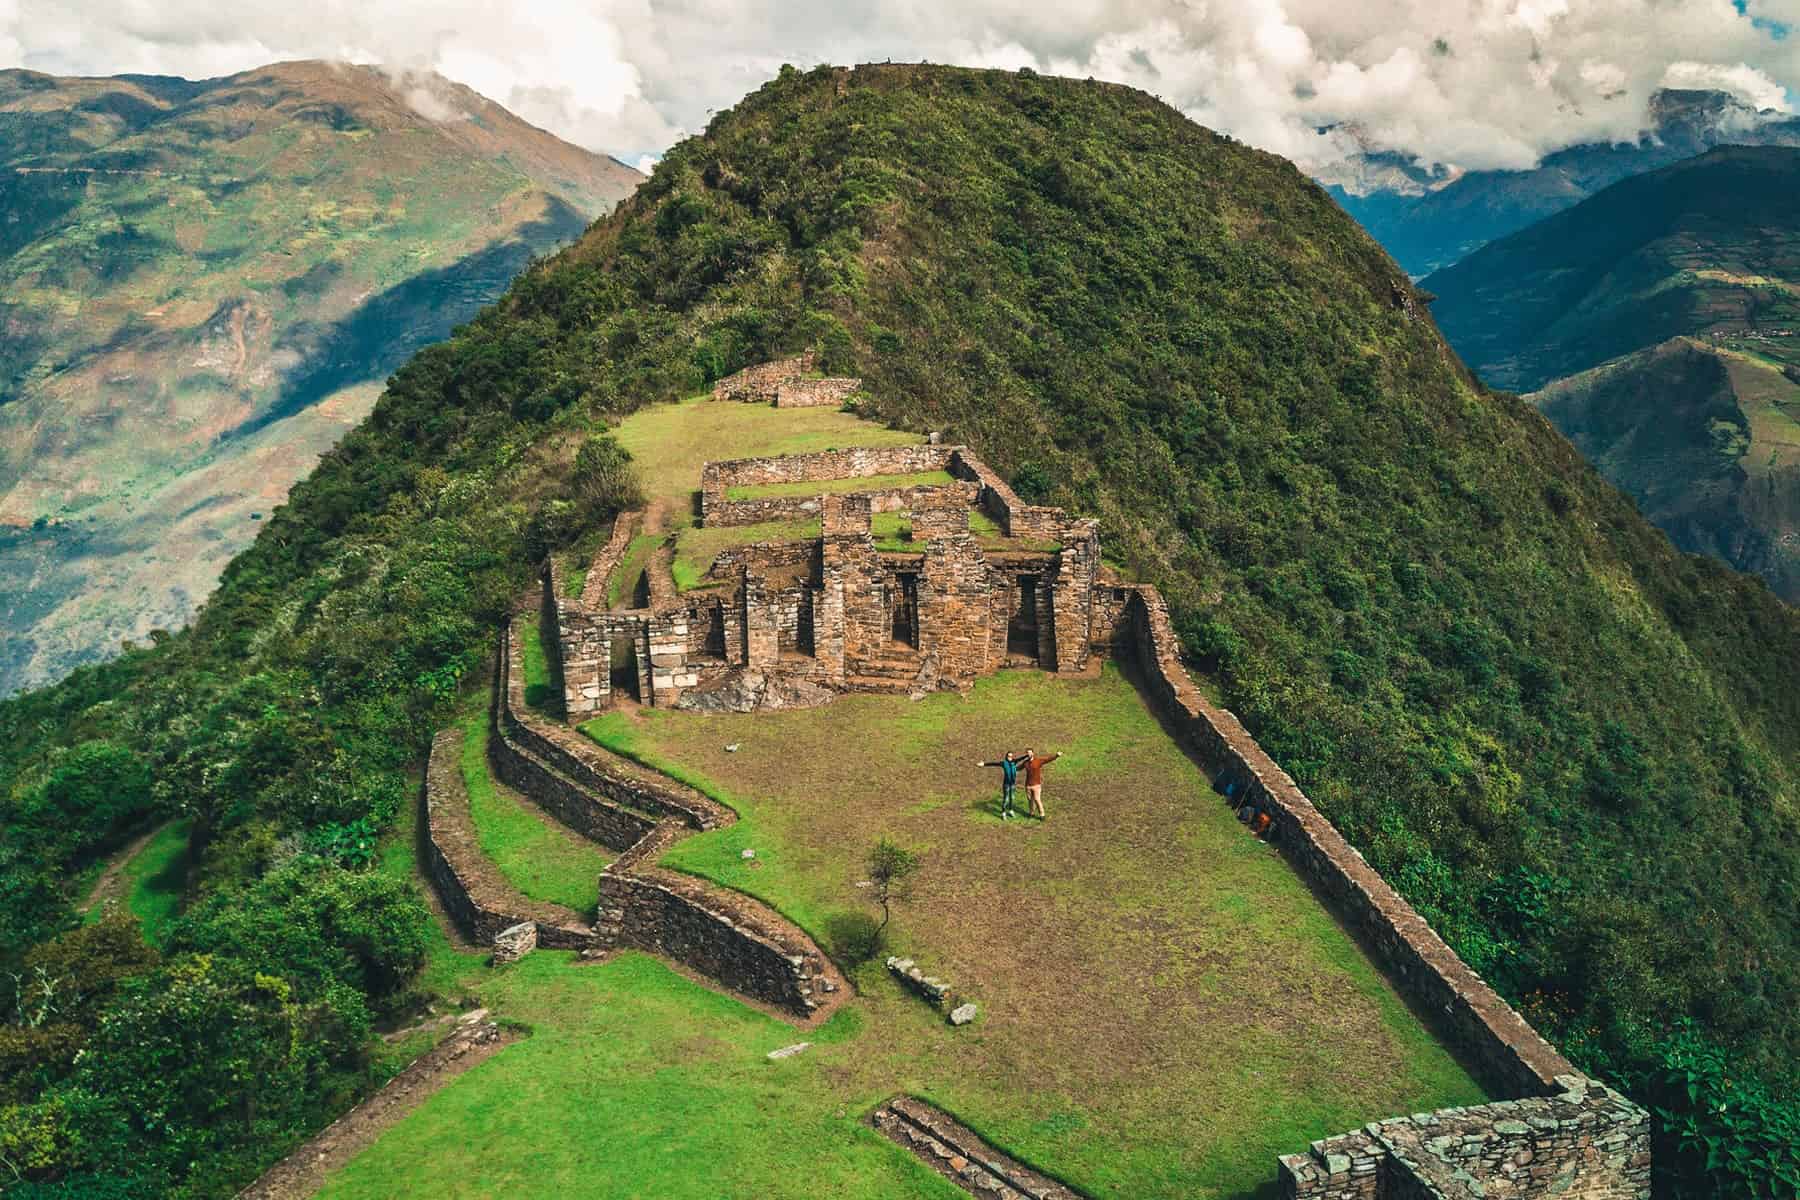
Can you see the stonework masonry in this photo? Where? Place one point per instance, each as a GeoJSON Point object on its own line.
{"type": "Point", "coordinates": [1586, 1142]}
{"type": "Point", "coordinates": [815, 393]}
{"type": "Point", "coordinates": [837, 612]}
{"type": "Point", "coordinates": [473, 893]}
{"type": "Point", "coordinates": [761, 381]}
{"type": "Point", "coordinates": [712, 930]}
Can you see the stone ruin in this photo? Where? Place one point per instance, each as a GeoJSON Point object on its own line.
{"type": "Point", "coordinates": [789, 383]}
{"type": "Point", "coordinates": [775, 623]}
{"type": "Point", "coordinates": [780, 623]}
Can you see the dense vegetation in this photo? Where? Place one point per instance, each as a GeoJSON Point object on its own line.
{"type": "Point", "coordinates": [1575, 749]}
{"type": "Point", "coordinates": [1708, 246]}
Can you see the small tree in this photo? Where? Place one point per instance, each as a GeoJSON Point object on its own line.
{"type": "Point", "coordinates": [605, 480]}
{"type": "Point", "coordinates": [891, 868]}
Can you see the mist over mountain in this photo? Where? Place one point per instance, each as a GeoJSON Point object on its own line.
{"type": "Point", "coordinates": [1429, 218]}
{"type": "Point", "coordinates": [203, 285]}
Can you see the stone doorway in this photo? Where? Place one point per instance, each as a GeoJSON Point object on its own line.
{"type": "Point", "coordinates": [904, 598]}
{"type": "Point", "coordinates": [624, 667]}
{"type": "Point", "coordinates": [1022, 625]}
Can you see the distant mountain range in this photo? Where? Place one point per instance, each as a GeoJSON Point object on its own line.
{"type": "Point", "coordinates": [1658, 325]}
{"type": "Point", "coordinates": [1429, 219]}
{"type": "Point", "coordinates": [202, 286]}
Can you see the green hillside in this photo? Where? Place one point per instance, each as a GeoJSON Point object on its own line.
{"type": "Point", "coordinates": [1707, 441]}
{"type": "Point", "coordinates": [202, 287]}
{"type": "Point", "coordinates": [1685, 284]}
{"type": "Point", "coordinates": [1705, 247]}
{"type": "Point", "coordinates": [1575, 749]}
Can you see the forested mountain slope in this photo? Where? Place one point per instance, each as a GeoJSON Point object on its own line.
{"type": "Point", "coordinates": [1575, 749]}
{"type": "Point", "coordinates": [1685, 284]}
{"type": "Point", "coordinates": [203, 286]}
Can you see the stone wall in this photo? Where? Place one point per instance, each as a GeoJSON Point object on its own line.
{"type": "Point", "coordinates": [815, 393]}
{"type": "Point", "coordinates": [717, 478]}
{"type": "Point", "coordinates": [996, 497]}
{"type": "Point", "coordinates": [669, 914]}
{"type": "Point", "coordinates": [762, 381]}
{"type": "Point", "coordinates": [714, 931]}
{"type": "Point", "coordinates": [473, 894]}
{"type": "Point", "coordinates": [1493, 1038]}
{"type": "Point", "coordinates": [583, 763]}
{"type": "Point", "coordinates": [600, 571]}
{"type": "Point", "coordinates": [612, 825]}
{"type": "Point", "coordinates": [1586, 1142]}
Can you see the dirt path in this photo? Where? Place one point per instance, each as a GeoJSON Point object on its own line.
{"type": "Point", "coordinates": [111, 885]}
{"type": "Point", "coordinates": [304, 1171]}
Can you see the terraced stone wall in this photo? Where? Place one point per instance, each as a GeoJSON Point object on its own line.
{"type": "Point", "coordinates": [662, 913]}
{"type": "Point", "coordinates": [761, 381]}
{"type": "Point", "coordinates": [815, 393]}
{"type": "Point", "coordinates": [472, 893]}
{"type": "Point", "coordinates": [1490, 1035]}
{"type": "Point", "coordinates": [1587, 1142]}
{"type": "Point", "coordinates": [717, 478]}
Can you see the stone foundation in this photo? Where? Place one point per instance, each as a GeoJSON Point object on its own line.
{"type": "Point", "coordinates": [815, 393]}
{"type": "Point", "coordinates": [1586, 1142]}
{"type": "Point", "coordinates": [762, 381]}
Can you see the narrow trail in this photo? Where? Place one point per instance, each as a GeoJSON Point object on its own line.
{"type": "Point", "coordinates": [303, 1172]}
{"type": "Point", "coordinates": [110, 885]}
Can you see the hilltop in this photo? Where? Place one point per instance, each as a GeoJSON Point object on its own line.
{"type": "Point", "coordinates": [1430, 219]}
{"type": "Point", "coordinates": [205, 284]}
{"type": "Point", "coordinates": [1483, 665]}
{"type": "Point", "coordinates": [1658, 325]}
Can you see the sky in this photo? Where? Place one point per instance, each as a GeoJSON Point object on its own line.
{"type": "Point", "coordinates": [1466, 84]}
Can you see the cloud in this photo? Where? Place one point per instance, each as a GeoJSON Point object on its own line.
{"type": "Point", "coordinates": [1459, 83]}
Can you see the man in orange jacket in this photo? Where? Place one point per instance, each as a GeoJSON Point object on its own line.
{"type": "Point", "coordinates": [1033, 767]}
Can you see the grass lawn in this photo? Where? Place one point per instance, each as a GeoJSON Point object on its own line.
{"type": "Point", "coordinates": [540, 682]}
{"type": "Point", "coordinates": [670, 442]}
{"type": "Point", "coordinates": [639, 1083]}
{"type": "Point", "coordinates": [621, 589]}
{"type": "Point", "coordinates": [530, 849]}
{"type": "Point", "coordinates": [151, 883]}
{"type": "Point", "coordinates": [859, 483]}
{"type": "Point", "coordinates": [1165, 1007]}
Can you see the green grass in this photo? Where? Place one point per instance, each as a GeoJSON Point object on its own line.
{"type": "Point", "coordinates": [670, 442]}
{"type": "Point", "coordinates": [696, 548]}
{"type": "Point", "coordinates": [540, 679]}
{"type": "Point", "coordinates": [531, 851]}
{"type": "Point", "coordinates": [622, 587]}
{"type": "Point", "coordinates": [1139, 925]}
{"type": "Point", "coordinates": [154, 880]}
{"type": "Point", "coordinates": [858, 483]}
{"type": "Point", "coordinates": [638, 1083]}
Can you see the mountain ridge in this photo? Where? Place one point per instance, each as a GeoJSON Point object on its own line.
{"type": "Point", "coordinates": [1429, 222]}
{"type": "Point", "coordinates": [1503, 685]}
{"type": "Point", "coordinates": [189, 263]}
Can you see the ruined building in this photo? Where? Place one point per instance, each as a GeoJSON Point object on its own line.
{"type": "Point", "coordinates": [938, 606]}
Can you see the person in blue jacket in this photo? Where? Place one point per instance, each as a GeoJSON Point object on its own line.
{"type": "Point", "coordinates": [1009, 781]}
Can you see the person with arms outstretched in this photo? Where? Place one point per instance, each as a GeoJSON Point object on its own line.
{"type": "Point", "coordinates": [1034, 780]}
{"type": "Point", "coordinates": [1009, 779]}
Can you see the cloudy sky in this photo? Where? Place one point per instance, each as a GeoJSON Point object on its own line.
{"type": "Point", "coordinates": [1473, 83]}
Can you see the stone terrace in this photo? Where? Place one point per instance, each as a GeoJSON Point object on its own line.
{"type": "Point", "coordinates": [834, 613]}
